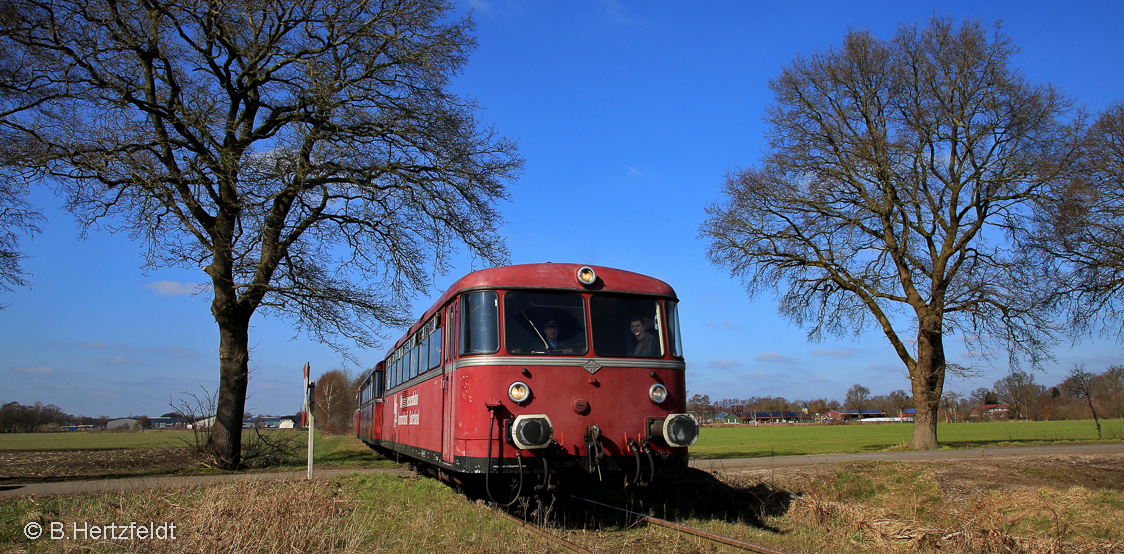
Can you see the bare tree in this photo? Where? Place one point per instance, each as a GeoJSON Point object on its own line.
{"type": "Point", "coordinates": [1113, 379]}
{"type": "Point", "coordinates": [19, 91]}
{"type": "Point", "coordinates": [857, 397]}
{"type": "Point", "coordinates": [335, 401]}
{"type": "Point", "coordinates": [898, 401]}
{"type": "Point", "coordinates": [305, 155]}
{"type": "Point", "coordinates": [699, 405]}
{"type": "Point", "coordinates": [950, 400]}
{"type": "Point", "coordinates": [983, 396]}
{"type": "Point", "coordinates": [892, 168]}
{"type": "Point", "coordinates": [1080, 384]}
{"type": "Point", "coordinates": [1017, 389]}
{"type": "Point", "coordinates": [1080, 225]}
{"type": "Point", "coordinates": [17, 218]}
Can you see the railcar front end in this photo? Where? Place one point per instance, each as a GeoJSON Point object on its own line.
{"type": "Point", "coordinates": [535, 371]}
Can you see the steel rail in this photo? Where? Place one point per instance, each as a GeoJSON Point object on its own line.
{"type": "Point", "coordinates": [690, 530]}
{"type": "Point", "coordinates": [538, 530]}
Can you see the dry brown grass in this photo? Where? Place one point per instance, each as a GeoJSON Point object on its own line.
{"type": "Point", "coordinates": [867, 507]}
{"type": "Point", "coordinates": [886, 507]}
{"type": "Point", "coordinates": [245, 517]}
{"type": "Point", "coordinates": [359, 514]}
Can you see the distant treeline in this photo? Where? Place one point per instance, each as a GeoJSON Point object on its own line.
{"type": "Point", "coordinates": [1082, 395]}
{"type": "Point", "coordinates": [18, 418]}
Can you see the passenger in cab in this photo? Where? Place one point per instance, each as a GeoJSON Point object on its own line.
{"type": "Point", "coordinates": [646, 342]}
{"type": "Point", "coordinates": [553, 342]}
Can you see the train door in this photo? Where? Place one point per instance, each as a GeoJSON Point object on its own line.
{"type": "Point", "coordinates": [448, 356]}
{"type": "Point", "coordinates": [378, 388]}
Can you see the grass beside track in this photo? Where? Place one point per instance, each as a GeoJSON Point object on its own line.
{"type": "Point", "coordinates": [858, 507]}
{"type": "Point", "coordinates": [734, 441]}
{"type": "Point", "coordinates": [747, 441]}
{"type": "Point", "coordinates": [865, 507]}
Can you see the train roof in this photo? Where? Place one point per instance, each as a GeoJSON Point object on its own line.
{"type": "Point", "coordinates": [558, 276]}
{"type": "Point", "coordinates": [553, 276]}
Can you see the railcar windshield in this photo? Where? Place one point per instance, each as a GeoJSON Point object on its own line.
{"type": "Point", "coordinates": [626, 326]}
{"type": "Point", "coordinates": [544, 323]}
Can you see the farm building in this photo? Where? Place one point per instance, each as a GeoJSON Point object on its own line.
{"type": "Point", "coordinates": [987, 412]}
{"type": "Point", "coordinates": [123, 423]}
{"type": "Point", "coordinates": [261, 422]}
{"type": "Point", "coordinates": [852, 415]}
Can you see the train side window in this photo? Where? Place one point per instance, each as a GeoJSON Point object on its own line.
{"type": "Point", "coordinates": [435, 342]}
{"type": "Point", "coordinates": [480, 327]}
{"type": "Point", "coordinates": [408, 362]}
{"type": "Point", "coordinates": [397, 376]}
{"type": "Point", "coordinates": [674, 338]}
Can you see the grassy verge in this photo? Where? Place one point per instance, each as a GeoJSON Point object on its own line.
{"type": "Point", "coordinates": [896, 507]}
{"type": "Point", "coordinates": [372, 513]}
{"type": "Point", "coordinates": [867, 507]}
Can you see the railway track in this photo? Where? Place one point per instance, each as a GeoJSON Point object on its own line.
{"type": "Point", "coordinates": [572, 547]}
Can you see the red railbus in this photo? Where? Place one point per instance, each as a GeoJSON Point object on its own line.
{"type": "Point", "coordinates": [534, 371]}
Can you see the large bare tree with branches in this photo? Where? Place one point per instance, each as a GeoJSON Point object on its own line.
{"type": "Point", "coordinates": [1080, 231]}
{"type": "Point", "coordinates": [893, 171]}
{"type": "Point", "coordinates": [20, 90]}
{"type": "Point", "coordinates": [307, 155]}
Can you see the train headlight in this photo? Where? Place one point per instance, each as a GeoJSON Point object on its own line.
{"type": "Point", "coordinates": [679, 430]}
{"type": "Point", "coordinates": [586, 276]}
{"type": "Point", "coordinates": [519, 392]}
{"type": "Point", "coordinates": [529, 432]}
{"type": "Point", "coordinates": [658, 393]}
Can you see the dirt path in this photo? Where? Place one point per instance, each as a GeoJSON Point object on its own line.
{"type": "Point", "coordinates": [924, 456]}
{"type": "Point", "coordinates": [114, 485]}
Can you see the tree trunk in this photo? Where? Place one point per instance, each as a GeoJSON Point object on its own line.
{"type": "Point", "coordinates": [225, 442]}
{"type": "Point", "coordinates": [927, 379]}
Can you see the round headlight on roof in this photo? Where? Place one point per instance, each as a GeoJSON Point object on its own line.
{"type": "Point", "coordinates": [658, 393]}
{"type": "Point", "coordinates": [586, 275]}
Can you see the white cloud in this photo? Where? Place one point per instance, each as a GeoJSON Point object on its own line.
{"type": "Point", "coordinates": [723, 325]}
{"type": "Point", "coordinates": [40, 369]}
{"type": "Point", "coordinates": [756, 376]}
{"type": "Point", "coordinates": [774, 358]}
{"type": "Point", "coordinates": [837, 353]}
{"type": "Point", "coordinates": [173, 288]}
{"type": "Point", "coordinates": [724, 364]}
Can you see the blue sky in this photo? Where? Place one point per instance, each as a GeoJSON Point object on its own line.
{"type": "Point", "coordinates": [629, 114]}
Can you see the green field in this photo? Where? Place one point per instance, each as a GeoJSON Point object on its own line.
{"type": "Point", "coordinates": [714, 442]}
{"type": "Point", "coordinates": [94, 440]}
{"type": "Point", "coordinates": [742, 441]}
{"type": "Point", "coordinates": [337, 451]}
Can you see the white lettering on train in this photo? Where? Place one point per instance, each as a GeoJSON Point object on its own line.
{"type": "Point", "coordinates": [408, 400]}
